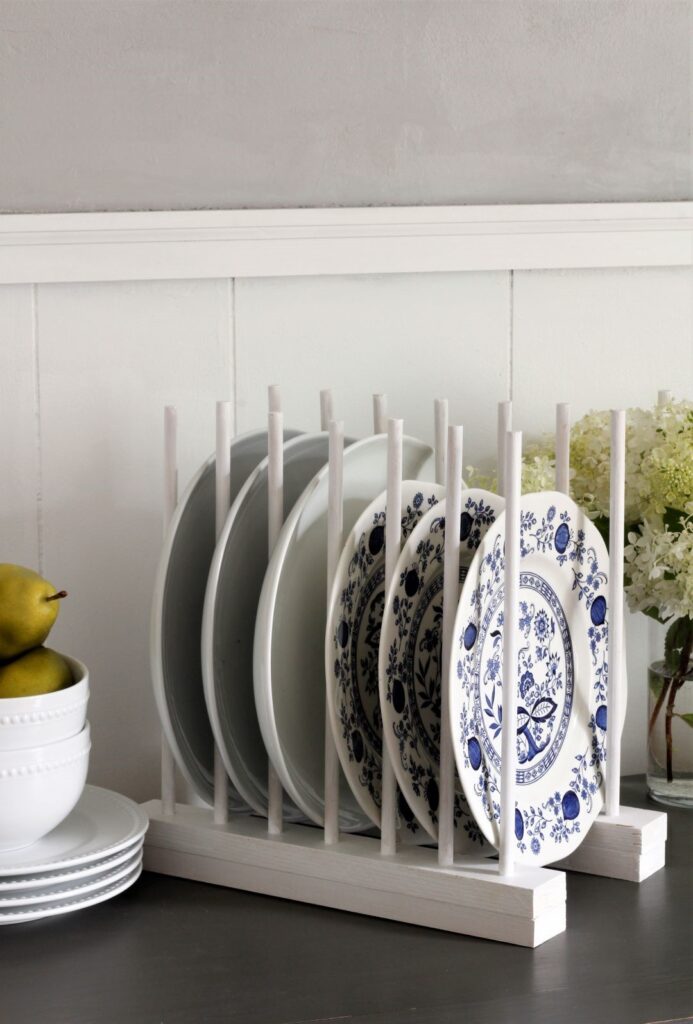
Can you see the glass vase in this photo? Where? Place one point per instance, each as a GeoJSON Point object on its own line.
{"type": "Point", "coordinates": [669, 721]}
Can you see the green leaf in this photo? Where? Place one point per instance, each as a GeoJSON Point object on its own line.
{"type": "Point", "coordinates": [656, 684]}
{"type": "Point", "coordinates": [653, 613]}
{"type": "Point", "coordinates": [674, 641]}
{"type": "Point", "coordinates": [687, 718]}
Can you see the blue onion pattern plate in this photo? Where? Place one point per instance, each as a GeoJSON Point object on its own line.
{"type": "Point", "coordinates": [561, 679]}
{"type": "Point", "coordinates": [352, 641]}
{"type": "Point", "coordinates": [410, 669]}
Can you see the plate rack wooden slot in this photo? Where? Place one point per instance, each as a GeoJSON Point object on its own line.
{"type": "Point", "coordinates": [470, 894]}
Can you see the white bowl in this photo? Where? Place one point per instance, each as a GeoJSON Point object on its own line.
{"type": "Point", "coordinates": [39, 786]}
{"type": "Point", "coordinates": [47, 717]}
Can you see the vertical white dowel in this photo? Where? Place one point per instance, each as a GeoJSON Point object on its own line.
{"type": "Point", "coordinates": [335, 523]}
{"type": "Point", "coordinates": [663, 396]}
{"type": "Point", "coordinates": [168, 768]}
{"type": "Point", "coordinates": [451, 595]}
{"type": "Point", "coordinates": [393, 534]}
{"type": "Point", "coordinates": [505, 423]}
{"type": "Point", "coordinates": [615, 604]}
{"type": "Point", "coordinates": [513, 474]}
{"type": "Point", "coordinates": [223, 503]}
{"type": "Point", "coordinates": [275, 516]}
{"type": "Point", "coordinates": [274, 398]}
{"type": "Point", "coordinates": [326, 409]}
{"type": "Point", "coordinates": [563, 447]}
{"type": "Point", "coordinates": [441, 436]}
{"type": "Point", "coordinates": [379, 414]}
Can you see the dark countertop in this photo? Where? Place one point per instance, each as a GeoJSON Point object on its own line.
{"type": "Point", "coordinates": [177, 952]}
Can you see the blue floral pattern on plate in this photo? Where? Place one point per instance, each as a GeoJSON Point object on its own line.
{"type": "Point", "coordinates": [351, 649]}
{"type": "Point", "coordinates": [562, 679]}
{"type": "Point", "coordinates": [410, 660]}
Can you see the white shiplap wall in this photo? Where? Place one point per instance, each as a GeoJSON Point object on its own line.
{"type": "Point", "coordinates": [87, 368]}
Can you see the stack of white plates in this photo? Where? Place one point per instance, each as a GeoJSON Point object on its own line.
{"type": "Point", "coordinates": [92, 856]}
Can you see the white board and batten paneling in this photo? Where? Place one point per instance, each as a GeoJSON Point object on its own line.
{"type": "Point", "coordinates": [104, 318]}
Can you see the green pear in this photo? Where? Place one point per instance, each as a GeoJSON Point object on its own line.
{"type": "Point", "coordinates": [39, 671]}
{"type": "Point", "coordinates": [28, 609]}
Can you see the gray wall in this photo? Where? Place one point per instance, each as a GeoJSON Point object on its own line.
{"type": "Point", "coordinates": [165, 104]}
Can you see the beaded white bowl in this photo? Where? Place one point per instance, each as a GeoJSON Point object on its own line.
{"type": "Point", "coordinates": [47, 717]}
{"type": "Point", "coordinates": [39, 786]}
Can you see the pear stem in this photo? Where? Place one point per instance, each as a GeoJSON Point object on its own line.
{"type": "Point", "coordinates": [57, 597]}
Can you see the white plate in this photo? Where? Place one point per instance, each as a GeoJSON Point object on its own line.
{"type": "Point", "coordinates": [352, 638]}
{"type": "Point", "coordinates": [562, 679]}
{"type": "Point", "coordinates": [70, 890]}
{"type": "Point", "coordinates": [176, 620]}
{"type": "Point", "coordinates": [66, 906]}
{"type": "Point", "coordinates": [410, 669]}
{"type": "Point", "coordinates": [101, 824]}
{"type": "Point", "coordinates": [101, 865]}
{"type": "Point", "coordinates": [228, 623]}
{"type": "Point", "coordinates": [289, 649]}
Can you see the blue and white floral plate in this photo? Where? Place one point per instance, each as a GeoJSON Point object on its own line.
{"type": "Point", "coordinates": [351, 649]}
{"type": "Point", "coordinates": [410, 660]}
{"type": "Point", "coordinates": [561, 679]}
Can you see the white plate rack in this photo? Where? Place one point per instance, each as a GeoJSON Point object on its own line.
{"type": "Point", "coordinates": [470, 894]}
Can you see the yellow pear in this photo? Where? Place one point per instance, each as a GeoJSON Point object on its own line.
{"type": "Point", "coordinates": [39, 671]}
{"type": "Point", "coordinates": [28, 609]}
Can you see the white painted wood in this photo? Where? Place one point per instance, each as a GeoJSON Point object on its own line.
{"type": "Point", "coordinates": [511, 601]}
{"type": "Point", "coordinates": [168, 764]}
{"type": "Point", "coordinates": [393, 536]}
{"type": "Point", "coordinates": [20, 428]}
{"type": "Point", "coordinates": [630, 845]}
{"type": "Point", "coordinates": [335, 529]}
{"type": "Point", "coordinates": [468, 898]}
{"type": "Point", "coordinates": [440, 417]}
{"type": "Point", "coordinates": [616, 680]}
{"type": "Point", "coordinates": [504, 424]}
{"type": "Point", "coordinates": [111, 357]}
{"type": "Point", "coordinates": [157, 246]}
{"type": "Point", "coordinates": [275, 518]}
{"type": "Point", "coordinates": [601, 339]}
{"type": "Point", "coordinates": [379, 414]}
{"type": "Point", "coordinates": [378, 329]}
{"type": "Point", "coordinates": [274, 398]}
{"type": "Point", "coordinates": [326, 408]}
{"type": "Point", "coordinates": [222, 479]}
{"type": "Point", "coordinates": [563, 447]}
{"type": "Point", "coordinates": [451, 596]}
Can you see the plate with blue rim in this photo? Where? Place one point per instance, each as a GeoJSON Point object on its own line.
{"type": "Point", "coordinates": [562, 679]}
{"type": "Point", "coordinates": [411, 670]}
{"type": "Point", "coordinates": [352, 641]}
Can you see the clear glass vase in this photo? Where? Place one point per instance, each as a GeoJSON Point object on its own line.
{"type": "Point", "coordinates": [670, 721]}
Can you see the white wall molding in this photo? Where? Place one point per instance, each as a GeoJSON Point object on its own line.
{"type": "Point", "coordinates": [51, 248]}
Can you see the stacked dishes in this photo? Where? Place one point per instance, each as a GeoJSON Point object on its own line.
{"type": "Point", "coordinates": [256, 687]}
{"type": "Point", "coordinates": [44, 756]}
{"type": "Point", "coordinates": [93, 855]}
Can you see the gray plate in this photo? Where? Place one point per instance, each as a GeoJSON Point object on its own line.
{"type": "Point", "coordinates": [177, 617]}
{"type": "Point", "coordinates": [233, 591]}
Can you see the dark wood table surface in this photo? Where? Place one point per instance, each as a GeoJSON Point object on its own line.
{"type": "Point", "coordinates": [176, 952]}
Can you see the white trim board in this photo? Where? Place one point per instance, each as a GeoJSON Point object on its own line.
{"type": "Point", "coordinates": [80, 247]}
